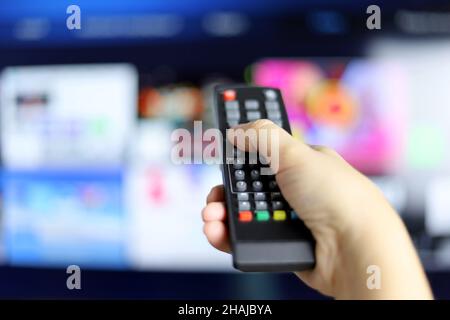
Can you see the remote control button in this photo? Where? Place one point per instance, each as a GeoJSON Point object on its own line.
{"type": "Point", "coordinates": [238, 163]}
{"type": "Point", "coordinates": [241, 186]}
{"type": "Point", "coordinates": [252, 159]}
{"type": "Point", "coordinates": [251, 104]}
{"type": "Point", "coordinates": [261, 205]}
{"type": "Point", "coordinates": [277, 205]}
{"type": "Point", "coordinates": [232, 123]}
{"type": "Point", "coordinates": [244, 205]}
{"type": "Point", "coordinates": [235, 159]}
{"type": "Point", "coordinates": [262, 215]}
{"type": "Point", "coordinates": [233, 115]}
{"type": "Point", "coordinates": [270, 94]}
{"type": "Point", "coordinates": [232, 105]}
{"type": "Point", "coordinates": [257, 185]}
{"type": "Point", "coordinates": [238, 153]}
{"type": "Point", "coordinates": [272, 106]}
{"type": "Point", "coordinates": [232, 159]}
{"type": "Point", "coordinates": [245, 216]}
{"type": "Point", "coordinates": [239, 175]}
{"type": "Point", "coordinates": [243, 196]}
{"type": "Point", "coordinates": [267, 171]}
{"type": "Point", "coordinates": [273, 185]}
{"type": "Point", "coordinates": [294, 215]}
{"type": "Point", "coordinates": [229, 95]}
{"type": "Point", "coordinates": [240, 160]}
{"type": "Point", "coordinates": [253, 115]}
{"type": "Point", "coordinates": [274, 115]}
{"type": "Point", "coordinates": [259, 196]}
{"type": "Point", "coordinates": [279, 215]}
{"type": "Point", "coordinates": [254, 174]}
{"type": "Point", "coordinates": [279, 123]}
{"type": "Point", "coordinates": [275, 195]}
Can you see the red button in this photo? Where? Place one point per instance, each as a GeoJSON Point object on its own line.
{"type": "Point", "coordinates": [245, 216]}
{"type": "Point", "coordinates": [229, 95]}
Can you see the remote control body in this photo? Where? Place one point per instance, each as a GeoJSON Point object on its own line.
{"type": "Point", "coordinates": [265, 233]}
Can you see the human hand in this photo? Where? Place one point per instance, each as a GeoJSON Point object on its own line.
{"type": "Point", "coordinates": [352, 223]}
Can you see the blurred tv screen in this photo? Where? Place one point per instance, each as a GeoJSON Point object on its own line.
{"type": "Point", "coordinates": [87, 118]}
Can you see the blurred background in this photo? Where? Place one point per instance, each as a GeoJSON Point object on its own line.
{"type": "Point", "coordinates": [86, 118]}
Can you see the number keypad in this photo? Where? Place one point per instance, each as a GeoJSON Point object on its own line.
{"type": "Point", "coordinates": [254, 192]}
{"type": "Point", "coordinates": [257, 193]}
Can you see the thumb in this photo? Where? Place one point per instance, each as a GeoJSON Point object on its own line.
{"type": "Point", "coordinates": [274, 144]}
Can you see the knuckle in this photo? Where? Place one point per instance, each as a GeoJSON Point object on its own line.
{"type": "Point", "coordinates": [327, 151]}
{"type": "Point", "coordinates": [262, 123]}
{"type": "Point", "coordinates": [330, 151]}
{"type": "Point", "coordinates": [322, 149]}
{"type": "Point", "coordinates": [203, 214]}
{"type": "Point", "coordinates": [291, 151]}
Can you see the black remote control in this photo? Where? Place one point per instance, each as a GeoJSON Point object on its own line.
{"type": "Point", "coordinates": [265, 233]}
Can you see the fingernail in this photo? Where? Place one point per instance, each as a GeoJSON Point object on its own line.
{"type": "Point", "coordinates": [241, 125]}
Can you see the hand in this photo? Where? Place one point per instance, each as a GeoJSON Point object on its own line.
{"type": "Point", "coordinates": [354, 226]}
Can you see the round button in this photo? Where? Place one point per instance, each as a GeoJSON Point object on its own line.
{"type": "Point", "coordinates": [273, 184]}
{"type": "Point", "coordinates": [261, 205]}
{"type": "Point", "coordinates": [229, 95]}
{"type": "Point", "coordinates": [238, 166]}
{"type": "Point", "coordinates": [239, 175]}
{"type": "Point", "coordinates": [254, 174]}
{"type": "Point", "coordinates": [241, 185]}
{"type": "Point", "coordinates": [257, 185]}
{"type": "Point", "coordinates": [277, 205]}
{"type": "Point", "coordinates": [238, 163]}
{"type": "Point", "coordinates": [270, 94]}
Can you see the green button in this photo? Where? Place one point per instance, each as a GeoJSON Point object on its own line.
{"type": "Point", "coordinates": [262, 215]}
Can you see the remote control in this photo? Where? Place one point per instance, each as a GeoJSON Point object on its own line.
{"type": "Point", "coordinates": [265, 233]}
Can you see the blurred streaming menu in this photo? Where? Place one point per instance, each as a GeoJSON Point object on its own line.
{"type": "Point", "coordinates": [66, 116]}
{"type": "Point", "coordinates": [179, 103]}
{"type": "Point", "coordinates": [427, 160]}
{"type": "Point", "coordinates": [388, 116]}
{"type": "Point", "coordinates": [65, 218]}
{"type": "Point", "coordinates": [163, 199]}
{"type": "Point", "coordinates": [65, 131]}
{"type": "Point", "coordinates": [357, 107]}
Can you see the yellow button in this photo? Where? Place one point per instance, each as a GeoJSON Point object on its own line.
{"type": "Point", "coordinates": [279, 215]}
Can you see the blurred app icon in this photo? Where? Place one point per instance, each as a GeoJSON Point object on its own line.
{"type": "Point", "coordinates": [64, 218]}
{"type": "Point", "coordinates": [67, 116]}
{"type": "Point", "coordinates": [437, 207]}
{"type": "Point", "coordinates": [175, 102]}
{"type": "Point", "coordinates": [354, 106]}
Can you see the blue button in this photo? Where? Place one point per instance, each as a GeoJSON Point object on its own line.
{"type": "Point", "coordinates": [294, 215]}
